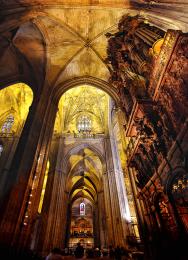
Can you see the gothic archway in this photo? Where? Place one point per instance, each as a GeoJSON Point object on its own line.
{"type": "Point", "coordinates": [15, 101]}
{"type": "Point", "coordinates": [60, 89]}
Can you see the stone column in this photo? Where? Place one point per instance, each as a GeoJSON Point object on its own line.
{"type": "Point", "coordinates": [117, 196]}
{"type": "Point", "coordinates": [57, 203]}
{"type": "Point", "coordinates": [9, 147]}
{"type": "Point", "coordinates": [102, 220]}
{"type": "Point", "coordinates": [139, 212]}
{"type": "Point", "coordinates": [38, 179]}
{"type": "Point", "coordinates": [108, 209]}
{"type": "Point", "coordinates": [96, 225]}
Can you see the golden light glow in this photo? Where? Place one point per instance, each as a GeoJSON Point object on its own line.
{"type": "Point", "coordinates": [122, 143]}
{"type": "Point", "coordinates": [15, 100]}
{"type": "Point", "coordinates": [74, 159]}
{"type": "Point", "coordinates": [156, 48]}
{"type": "Point", "coordinates": [43, 187]}
{"type": "Point", "coordinates": [85, 173]}
{"type": "Point", "coordinates": [84, 167]}
{"type": "Point", "coordinates": [121, 147]}
{"type": "Point", "coordinates": [78, 101]}
{"type": "Point", "coordinates": [75, 179]}
{"type": "Point", "coordinates": [83, 192]}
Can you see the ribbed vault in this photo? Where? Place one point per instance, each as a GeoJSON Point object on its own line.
{"type": "Point", "coordinates": [84, 177]}
{"type": "Point", "coordinates": [84, 180]}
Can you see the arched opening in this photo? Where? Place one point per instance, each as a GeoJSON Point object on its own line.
{"type": "Point", "coordinates": [80, 102]}
{"type": "Point", "coordinates": [86, 171]}
{"type": "Point", "coordinates": [16, 100]}
{"type": "Point", "coordinates": [63, 87]}
{"type": "Point", "coordinates": [81, 227]}
{"type": "Point", "coordinates": [100, 158]}
{"type": "Point", "coordinates": [15, 103]}
{"type": "Point", "coordinates": [84, 183]}
{"type": "Point", "coordinates": [84, 119]}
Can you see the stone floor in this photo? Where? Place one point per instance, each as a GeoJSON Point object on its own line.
{"type": "Point", "coordinates": [85, 258]}
{"type": "Point", "coordinates": [132, 256]}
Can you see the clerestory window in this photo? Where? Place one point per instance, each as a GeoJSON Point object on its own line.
{"type": "Point", "coordinates": [82, 209]}
{"type": "Point", "coordinates": [84, 124]}
{"type": "Point", "coordinates": [1, 149]}
{"type": "Point", "coordinates": [6, 127]}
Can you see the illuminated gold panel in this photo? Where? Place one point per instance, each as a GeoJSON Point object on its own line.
{"type": "Point", "coordinates": [43, 188]}
{"type": "Point", "coordinates": [15, 100]}
{"type": "Point", "coordinates": [79, 101]}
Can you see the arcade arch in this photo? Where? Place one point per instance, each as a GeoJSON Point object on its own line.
{"type": "Point", "coordinates": [15, 102]}
{"type": "Point", "coordinates": [82, 168]}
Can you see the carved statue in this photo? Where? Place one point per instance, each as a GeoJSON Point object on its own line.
{"type": "Point", "coordinates": [166, 101]}
{"type": "Point", "coordinates": [174, 92]}
{"type": "Point", "coordinates": [165, 121]}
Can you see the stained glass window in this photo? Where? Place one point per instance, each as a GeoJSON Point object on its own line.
{"type": "Point", "coordinates": [82, 209]}
{"type": "Point", "coordinates": [84, 124]}
{"type": "Point", "coordinates": [1, 149]}
{"type": "Point", "coordinates": [6, 127]}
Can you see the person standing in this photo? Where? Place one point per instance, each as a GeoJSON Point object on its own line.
{"type": "Point", "coordinates": [55, 254]}
{"type": "Point", "coordinates": [79, 251]}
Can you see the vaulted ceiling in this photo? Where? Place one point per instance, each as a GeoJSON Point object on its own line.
{"type": "Point", "coordinates": [82, 101]}
{"type": "Point", "coordinates": [76, 42]}
{"type": "Point", "coordinates": [74, 3]}
{"type": "Point", "coordinates": [60, 40]}
{"type": "Point", "coordinates": [84, 175]}
{"type": "Point", "coordinates": [73, 34]}
{"type": "Point", "coordinates": [63, 39]}
{"type": "Point", "coordinates": [15, 101]}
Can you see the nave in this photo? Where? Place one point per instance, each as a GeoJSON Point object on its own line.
{"type": "Point", "coordinates": [93, 128]}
